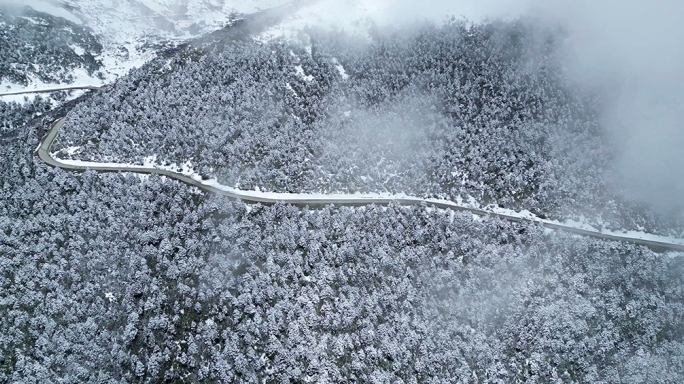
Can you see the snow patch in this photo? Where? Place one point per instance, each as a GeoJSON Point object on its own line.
{"type": "Point", "coordinates": [342, 72]}
{"type": "Point", "coordinates": [300, 72]}
{"type": "Point", "coordinates": [71, 150]}
{"type": "Point", "coordinates": [291, 89]}
{"type": "Point", "coordinates": [30, 19]}
{"type": "Point", "coordinates": [340, 69]}
{"type": "Point", "coordinates": [77, 49]}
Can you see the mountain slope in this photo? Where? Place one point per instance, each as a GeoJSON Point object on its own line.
{"type": "Point", "coordinates": [84, 42]}
{"type": "Point", "coordinates": [39, 48]}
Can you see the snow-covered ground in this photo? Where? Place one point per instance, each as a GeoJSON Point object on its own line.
{"type": "Point", "coordinates": [131, 31]}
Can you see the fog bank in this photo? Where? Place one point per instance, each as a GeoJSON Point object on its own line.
{"type": "Point", "coordinates": [631, 53]}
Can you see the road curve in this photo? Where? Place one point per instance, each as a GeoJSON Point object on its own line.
{"type": "Point", "coordinates": [87, 87]}
{"type": "Point", "coordinates": [303, 200]}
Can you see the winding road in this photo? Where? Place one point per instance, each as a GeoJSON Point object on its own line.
{"type": "Point", "coordinates": [86, 87]}
{"type": "Point", "coordinates": [310, 200]}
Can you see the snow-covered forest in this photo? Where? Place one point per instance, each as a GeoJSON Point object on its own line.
{"type": "Point", "coordinates": [448, 111]}
{"type": "Point", "coordinates": [132, 278]}
{"type": "Point", "coordinates": [121, 278]}
{"type": "Point", "coordinates": [36, 46]}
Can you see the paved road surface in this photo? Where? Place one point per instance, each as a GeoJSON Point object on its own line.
{"type": "Point", "coordinates": [88, 87]}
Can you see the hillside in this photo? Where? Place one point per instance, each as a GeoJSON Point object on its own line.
{"type": "Point", "coordinates": [452, 112]}
{"type": "Point", "coordinates": [41, 49]}
{"type": "Point", "coordinates": [126, 279]}
{"type": "Point", "coordinates": [49, 43]}
{"type": "Point", "coordinates": [135, 278]}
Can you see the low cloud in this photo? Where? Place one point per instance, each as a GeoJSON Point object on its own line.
{"type": "Point", "coordinates": [630, 52]}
